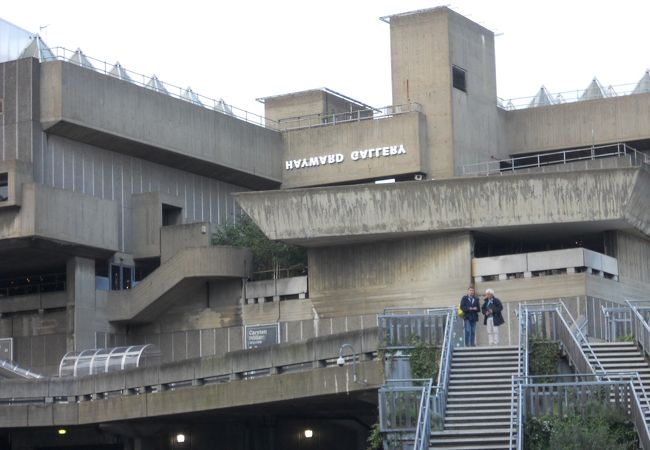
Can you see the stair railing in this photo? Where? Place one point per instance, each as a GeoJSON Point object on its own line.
{"type": "Point", "coordinates": [516, 400]}
{"type": "Point", "coordinates": [423, 430]}
{"type": "Point", "coordinates": [640, 326]}
{"type": "Point", "coordinates": [395, 417]}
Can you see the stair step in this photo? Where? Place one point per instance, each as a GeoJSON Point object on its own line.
{"type": "Point", "coordinates": [473, 447]}
{"type": "Point", "coordinates": [478, 363]}
{"type": "Point", "coordinates": [477, 401]}
{"type": "Point", "coordinates": [464, 394]}
{"type": "Point", "coordinates": [479, 407]}
{"type": "Point", "coordinates": [473, 432]}
{"type": "Point", "coordinates": [476, 423]}
{"type": "Point", "coordinates": [612, 344]}
{"type": "Point", "coordinates": [495, 411]}
{"type": "Point", "coordinates": [449, 420]}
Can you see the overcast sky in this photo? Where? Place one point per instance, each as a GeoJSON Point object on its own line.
{"type": "Point", "coordinates": [241, 50]}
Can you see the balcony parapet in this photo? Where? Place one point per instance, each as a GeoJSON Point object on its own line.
{"type": "Point", "coordinates": [528, 265]}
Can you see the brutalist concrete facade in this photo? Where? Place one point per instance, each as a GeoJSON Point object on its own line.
{"type": "Point", "coordinates": [114, 190]}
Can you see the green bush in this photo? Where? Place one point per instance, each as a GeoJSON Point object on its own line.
{"type": "Point", "coordinates": [423, 359]}
{"type": "Point", "coordinates": [543, 359]}
{"type": "Point", "coordinates": [597, 426]}
{"type": "Point", "coordinates": [375, 441]}
{"type": "Point", "coordinates": [268, 255]}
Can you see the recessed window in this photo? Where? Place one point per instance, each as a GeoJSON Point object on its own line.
{"type": "Point", "coordinates": [4, 187]}
{"type": "Point", "coordinates": [459, 78]}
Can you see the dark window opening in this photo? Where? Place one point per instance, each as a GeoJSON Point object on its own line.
{"type": "Point", "coordinates": [121, 277]}
{"type": "Point", "coordinates": [459, 78]}
{"type": "Point", "coordinates": [491, 245]}
{"type": "Point", "coordinates": [4, 187]}
{"type": "Point", "coordinates": [33, 283]}
{"type": "Point", "coordinates": [171, 215]}
{"type": "Point", "coordinates": [144, 267]}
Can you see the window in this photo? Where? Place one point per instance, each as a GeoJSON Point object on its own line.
{"type": "Point", "coordinates": [121, 277]}
{"type": "Point", "coordinates": [171, 215]}
{"type": "Point", "coordinates": [4, 187]}
{"type": "Point", "coordinates": [459, 78]}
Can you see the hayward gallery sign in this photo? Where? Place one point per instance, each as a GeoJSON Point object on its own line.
{"type": "Point", "coordinates": [336, 158]}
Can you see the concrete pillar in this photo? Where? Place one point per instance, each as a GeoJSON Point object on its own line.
{"type": "Point", "coordinates": [81, 302]}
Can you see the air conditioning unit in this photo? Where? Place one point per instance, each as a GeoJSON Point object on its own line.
{"type": "Point", "coordinates": [418, 177]}
{"type": "Point", "coordinates": [7, 348]}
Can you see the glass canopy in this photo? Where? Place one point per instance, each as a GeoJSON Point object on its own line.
{"type": "Point", "coordinates": [102, 360]}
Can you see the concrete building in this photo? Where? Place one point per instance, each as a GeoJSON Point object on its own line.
{"type": "Point", "coordinates": [110, 190]}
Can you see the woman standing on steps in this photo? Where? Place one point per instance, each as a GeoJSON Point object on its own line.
{"type": "Point", "coordinates": [491, 310]}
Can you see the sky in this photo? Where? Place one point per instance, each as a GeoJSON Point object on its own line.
{"type": "Point", "coordinates": [242, 50]}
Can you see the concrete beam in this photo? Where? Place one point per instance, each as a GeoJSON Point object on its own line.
{"type": "Point", "coordinates": [603, 199]}
{"type": "Point", "coordinates": [146, 124]}
{"type": "Point", "coordinates": [329, 381]}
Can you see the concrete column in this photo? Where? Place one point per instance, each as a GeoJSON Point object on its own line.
{"type": "Point", "coordinates": [81, 302]}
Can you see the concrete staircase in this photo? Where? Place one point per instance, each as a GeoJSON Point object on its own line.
{"type": "Point", "coordinates": [169, 283]}
{"type": "Point", "coordinates": [478, 404]}
{"type": "Point", "coordinates": [622, 357]}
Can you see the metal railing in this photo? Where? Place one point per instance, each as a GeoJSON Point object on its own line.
{"type": "Point", "coordinates": [406, 409]}
{"type": "Point", "coordinates": [548, 321]}
{"type": "Point", "coordinates": [32, 284]}
{"type": "Point", "coordinates": [640, 327]}
{"type": "Point", "coordinates": [397, 330]}
{"type": "Point", "coordinates": [558, 98]}
{"type": "Point", "coordinates": [581, 390]}
{"type": "Point", "coordinates": [423, 430]}
{"type": "Point", "coordinates": [510, 165]}
{"type": "Point", "coordinates": [63, 54]}
{"type": "Point", "coordinates": [319, 120]}
{"type": "Point", "coordinates": [618, 322]}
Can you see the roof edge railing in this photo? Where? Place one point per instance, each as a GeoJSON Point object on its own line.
{"type": "Point", "coordinates": [542, 159]}
{"type": "Point", "coordinates": [186, 94]}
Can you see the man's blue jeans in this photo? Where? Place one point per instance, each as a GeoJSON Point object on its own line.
{"type": "Point", "coordinates": [470, 333]}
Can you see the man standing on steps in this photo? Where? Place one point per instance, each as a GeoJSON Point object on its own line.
{"type": "Point", "coordinates": [491, 309]}
{"type": "Point", "coordinates": [470, 306]}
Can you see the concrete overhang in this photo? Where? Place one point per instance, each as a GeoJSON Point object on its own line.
{"type": "Point", "coordinates": [97, 109]}
{"type": "Point", "coordinates": [578, 124]}
{"type": "Point", "coordinates": [67, 219]}
{"type": "Point", "coordinates": [599, 199]}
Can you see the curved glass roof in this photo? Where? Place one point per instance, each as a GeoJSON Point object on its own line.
{"type": "Point", "coordinates": [102, 360]}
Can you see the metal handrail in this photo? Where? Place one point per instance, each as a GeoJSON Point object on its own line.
{"type": "Point", "coordinates": [423, 430]}
{"type": "Point", "coordinates": [637, 410]}
{"type": "Point", "coordinates": [442, 388]}
{"type": "Point", "coordinates": [510, 165]}
{"type": "Point", "coordinates": [64, 54]}
{"type": "Point", "coordinates": [319, 120]}
{"type": "Point", "coordinates": [560, 98]}
{"type": "Point", "coordinates": [640, 322]}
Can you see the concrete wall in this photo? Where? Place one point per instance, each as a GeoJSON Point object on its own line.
{"type": "Point", "coordinates": [62, 216]}
{"type": "Point", "coordinates": [74, 166]}
{"type": "Point", "coordinates": [175, 238]}
{"type": "Point", "coordinates": [474, 113]}
{"type": "Point", "coordinates": [40, 340]}
{"type": "Point", "coordinates": [20, 128]}
{"type": "Point", "coordinates": [633, 254]}
{"type": "Point", "coordinates": [140, 122]}
{"type": "Point", "coordinates": [578, 124]}
{"type": "Point", "coordinates": [404, 129]}
{"type": "Point", "coordinates": [421, 73]}
{"type": "Point", "coordinates": [294, 105]}
{"type": "Point", "coordinates": [366, 278]}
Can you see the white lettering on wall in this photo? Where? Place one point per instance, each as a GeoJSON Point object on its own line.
{"type": "Point", "coordinates": [336, 158]}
